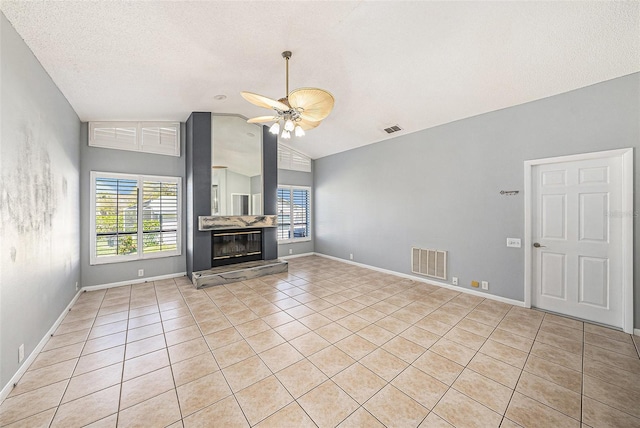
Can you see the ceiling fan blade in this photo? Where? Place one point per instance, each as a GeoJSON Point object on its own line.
{"type": "Point", "coordinates": [262, 119]}
{"type": "Point", "coordinates": [262, 101]}
{"type": "Point", "coordinates": [308, 124]}
{"type": "Point", "coordinates": [316, 104]}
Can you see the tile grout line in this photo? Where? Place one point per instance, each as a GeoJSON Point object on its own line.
{"type": "Point", "coordinates": [124, 359]}
{"type": "Point", "coordinates": [164, 334]}
{"type": "Point", "coordinates": [458, 375]}
{"type": "Point", "coordinates": [214, 358]}
{"type": "Point", "coordinates": [513, 392]}
{"type": "Point", "coordinates": [76, 365]}
{"type": "Point", "coordinates": [340, 288]}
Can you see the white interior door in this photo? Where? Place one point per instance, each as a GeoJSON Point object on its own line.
{"type": "Point", "coordinates": [577, 254]}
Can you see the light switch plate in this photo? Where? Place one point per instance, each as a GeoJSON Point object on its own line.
{"type": "Point", "coordinates": [514, 242]}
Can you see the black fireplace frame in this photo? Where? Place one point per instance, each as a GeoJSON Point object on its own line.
{"type": "Point", "coordinates": [231, 260]}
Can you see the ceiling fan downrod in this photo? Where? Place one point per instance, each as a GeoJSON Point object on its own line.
{"type": "Point", "coordinates": [286, 55]}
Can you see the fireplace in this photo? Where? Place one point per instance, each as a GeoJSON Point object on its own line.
{"type": "Point", "coordinates": [235, 246]}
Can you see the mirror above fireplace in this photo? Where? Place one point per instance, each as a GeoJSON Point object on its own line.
{"type": "Point", "coordinates": [236, 161]}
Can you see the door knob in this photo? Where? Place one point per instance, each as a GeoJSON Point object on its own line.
{"type": "Point", "coordinates": [537, 245]}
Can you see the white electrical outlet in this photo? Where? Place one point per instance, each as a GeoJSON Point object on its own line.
{"type": "Point", "coordinates": [514, 242]}
{"type": "Point", "coordinates": [350, 256]}
{"type": "Point", "coordinates": [454, 280]}
{"type": "Point", "coordinates": [77, 286]}
{"type": "Point", "coordinates": [485, 285]}
{"type": "Point", "coordinates": [20, 353]}
{"type": "Point", "coordinates": [290, 250]}
{"type": "Point", "coordinates": [140, 272]}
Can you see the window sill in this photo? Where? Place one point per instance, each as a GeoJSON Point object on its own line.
{"type": "Point", "coordinates": [293, 241]}
{"type": "Point", "coordinates": [95, 261]}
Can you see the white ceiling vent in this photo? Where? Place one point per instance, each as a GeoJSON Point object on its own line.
{"type": "Point", "coordinates": [392, 129]}
{"type": "Point", "coordinates": [431, 263]}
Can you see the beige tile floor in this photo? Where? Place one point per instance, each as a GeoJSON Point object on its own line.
{"type": "Point", "coordinates": [328, 344]}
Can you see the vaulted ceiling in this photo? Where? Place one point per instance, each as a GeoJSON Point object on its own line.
{"type": "Point", "coordinates": [417, 64]}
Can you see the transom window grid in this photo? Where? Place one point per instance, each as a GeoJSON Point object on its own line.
{"type": "Point", "coordinates": [292, 160]}
{"type": "Point", "coordinates": [161, 138]}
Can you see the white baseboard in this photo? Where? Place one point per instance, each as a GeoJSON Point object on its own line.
{"type": "Point", "coordinates": [32, 356]}
{"type": "Point", "coordinates": [132, 281]}
{"type": "Point", "coordinates": [294, 256]}
{"type": "Point", "coordinates": [428, 281]}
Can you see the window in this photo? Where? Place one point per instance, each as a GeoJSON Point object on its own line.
{"type": "Point", "coordinates": [290, 159]}
{"type": "Point", "coordinates": [161, 138]}
{"type": "Point", "coordinates": [134, 217]}
{"type": "Point", "coordinates": [294, 213]}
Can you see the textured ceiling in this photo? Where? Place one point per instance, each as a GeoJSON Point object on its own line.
{"type": "Point", "coordinates": [416, 64]}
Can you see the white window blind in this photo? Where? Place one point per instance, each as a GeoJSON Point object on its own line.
{"type": "Point", "coordinates": [149, 137]}
{"type": "Point", "coordinates": [160, 216]}
{"type": "Point", "coordinates": [134, 217]}
{"type": "Point", "coordinates": [290, 159]}
{"type": "Point", "coordinates": [294, 213]}
{"type": "Point", "coordinates": [116, 216]}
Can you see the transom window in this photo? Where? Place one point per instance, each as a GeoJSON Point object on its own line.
{"type": "Point", "coordinates": [134, 217]}
{"type": "Point", "coordinates": [294, 213]}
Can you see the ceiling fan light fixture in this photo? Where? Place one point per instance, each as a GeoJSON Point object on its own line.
{"type": "Point", "coordinates": [275, 128]}
{"type": "Point", "coordinates": [300, 109]}
{"type": "Point", "coordinates": [288, 125]}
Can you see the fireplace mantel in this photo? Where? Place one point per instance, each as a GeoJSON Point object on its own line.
{"type": "Point", "coordinates": [219, 222]}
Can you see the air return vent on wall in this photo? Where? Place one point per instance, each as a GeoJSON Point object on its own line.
{"type": "Point", "coordinates": [431, 263]}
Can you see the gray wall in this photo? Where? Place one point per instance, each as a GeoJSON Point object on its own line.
{"type": "Point", "coordinates": [298, 178]}
{"type": "Point", "coordinates": [122, 161]}
{"type": "Point", "coordinates": [198, 197]}
{"type": "Point", "coordinates": [270, 193]}
{"type": "Point", "coordinates": [39, 196]}
{"type": "Point", "coordinates": [439, 188]}
{"type": "Point", "coordinates": [256, 184]}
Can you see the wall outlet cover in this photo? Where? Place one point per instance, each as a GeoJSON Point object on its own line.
{"type": "Point", "coordinates": [454, 280]}
{"type": "Point", "coordinates": [21, 353]}
{"type": "Point", "coordinates": [485, 285]}
{"type": "Point", "coordinates": [475, 284]}
{"type": "Point", "coordinates": [350, 256]}
{"type": "Point", "coordinates": [290, 250]}
{"type": "Point", "coordinates": [140, 272]}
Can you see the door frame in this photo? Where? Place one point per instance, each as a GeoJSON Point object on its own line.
{"type": "Point", "coordinates": [626, 218]}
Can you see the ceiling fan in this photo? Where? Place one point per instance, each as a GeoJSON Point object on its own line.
{"type": "Point", "coordinates": [302, 109]}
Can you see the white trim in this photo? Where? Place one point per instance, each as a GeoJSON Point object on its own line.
{"type": "Point", "coordinates": [132, 281]}
{"type": "Point", "coordinates": [291, 241]}
{"type": "Point", "coordinates": [6, 390]}
{"type": "Point", "coordinates": [527, 234]}
{"type": "Point", "coordinates": [295, 256]}
{"type": "Point", "coordinates": [292, 187]}
{"type": "Point", "coordinates": [139, 255]}
{"type": "Point", "coordinates": [427, 281]}
{"type": "Point", "coordinates": [627, 241]}
{"type": "Point", "coordinates": [627, 224]}
{"type": "Point", "coordinates": [139, 145]}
